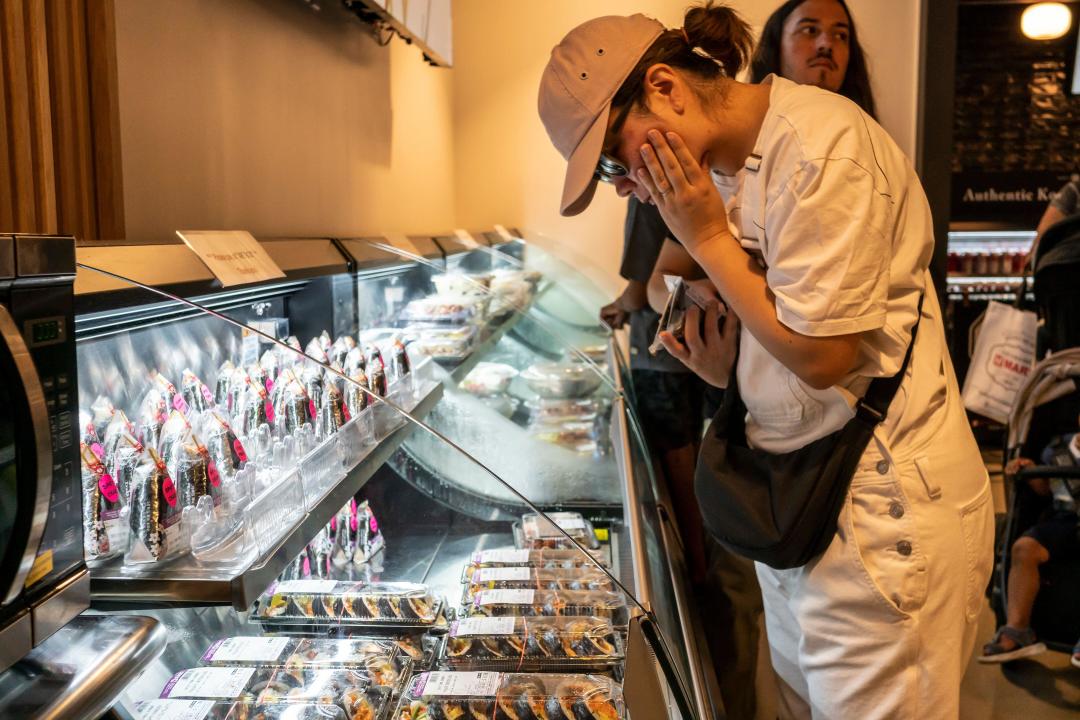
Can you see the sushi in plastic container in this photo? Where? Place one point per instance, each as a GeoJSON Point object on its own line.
{"type": "Point", "coordinates": [332, 601]}
{"type": "Point", "coordinates": [534, 644]}
{"type": "Point", "coordinates": [524, 577]}
{"type": "Point", "coordinates": [536, 532]}
{"type": "Point", "coordinates": [483, 694]}
{"type": "Point", "coordinates": [539, 558]}
{"type": "Point", "coordinates": [549, 603]}
{"type": "Point", "coordinates": [231, 710]}
{"type": "Point", "coordinates": [384, 663]}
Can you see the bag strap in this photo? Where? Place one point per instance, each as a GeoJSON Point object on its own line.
{"type": "Point", "coordinates": [872, 407]}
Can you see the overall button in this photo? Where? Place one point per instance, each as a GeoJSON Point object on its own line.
{"type": "Point", "coordinates": [882, 467]}
{"type": "Point", "coordinates": [903, 547]}
{"type": "Point", "coordinates": [896, 510]}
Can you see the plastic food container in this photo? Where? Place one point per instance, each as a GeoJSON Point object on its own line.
{"type": "Point", "coordinates": [488, 378]}
{"type": "Point", "coordinates": [510, 695]}
{"type": "Point", "coordinates": [446, 309]}
{"type": "Point", "coordinates": [561, 380]}
{"type": "Point", "coordinates": [384, 663]}
{"type": "Point", "coordinates": [422, 648]}
{"type": "Point", "coordinates": [550, 410]}
{"type": "Point", "coordinates": [522, 577]}
{"type": "Point", "coordinates": [348, 689]}
{"type": "Point", "coordinates": [536, 532]}
{"type": "Point", "coordinates": [211, 710]}
{"type": "Point", "coordinates": [444, 343]}
{"type": "Point", "coordinates": [578, 436]}
{"type": "Point", "coordinates": [333, 602]}
{"type": "Point", "coordinates": [534, 644]}
{"type": "Point", "coordinates": [461, 283]}
{"type": "Point", "coordinates": [542, 558]}
{"type": "Point", "coordinates": [549, 603]}
{"type": "Point", "coordinates": [502, 404]}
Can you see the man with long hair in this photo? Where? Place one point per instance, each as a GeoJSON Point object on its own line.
{"type": "Point", "coordinates": [813, 42]}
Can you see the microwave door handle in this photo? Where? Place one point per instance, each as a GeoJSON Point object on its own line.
{"type": "Point", "coordinates": [42, 457]}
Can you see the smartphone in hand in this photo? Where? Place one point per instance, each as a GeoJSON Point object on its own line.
{"type": "Point", "coordinates": [673, 319]}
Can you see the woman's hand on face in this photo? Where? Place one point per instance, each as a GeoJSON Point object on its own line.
{"type": "Point", "coordinates": [683, 192]}
{"type": "Point", "coordinates": [711, 356]}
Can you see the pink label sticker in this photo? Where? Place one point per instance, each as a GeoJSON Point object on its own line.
{"type": "Point", "coordinates": [108, 488]}
{"type": "Point", "coordinates": [311, 409]}
{"type": "Point", "coordinates": [269, 407]}
{"type": "Point", "coordinates": [169, 491]}
{"type": "Point", "coordinates": [179, 403]}
{"type": "Point", "coordinates": [269, 384]}
{"type": "Point", "coordinates": [238, 448]}
{"type": "Point", "coordinates": [345, 410]}
{"type": "Point", "coordinates": [354, 522]}
{"type": "Point", "coordinates": [372, 524]}
{"type": "Point", "coordinates": [212, 473]}
{"type": "Point", "coordinates": [207, 396]}
{"type": "Point", "coordinates": [98, 450]}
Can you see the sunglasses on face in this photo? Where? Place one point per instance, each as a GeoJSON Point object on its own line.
{"type": "Point", "coordinates": [608, 169]}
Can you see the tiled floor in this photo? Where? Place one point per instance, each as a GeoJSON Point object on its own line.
{"type": "Point", "coordinates": [1045, 687]}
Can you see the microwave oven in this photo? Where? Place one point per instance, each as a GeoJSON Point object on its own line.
{"type": "Point", "coordinates": [43, 579]}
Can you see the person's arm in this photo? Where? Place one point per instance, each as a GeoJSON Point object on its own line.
{"type": "Point", "coordinates": [673, 260]}
{"type": "Point", "coordinates": [630, 300]}
{"type": "Point", "coordinates": [695, 212]}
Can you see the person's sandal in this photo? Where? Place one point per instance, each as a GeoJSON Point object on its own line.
{"type": "Point", "coordinates": [1023, 645]}
{"type": "Point", "coordinates": [1076, 654]}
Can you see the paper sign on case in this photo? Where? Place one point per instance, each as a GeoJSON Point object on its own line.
{"type": "Point", "coordinates": [235, 257]}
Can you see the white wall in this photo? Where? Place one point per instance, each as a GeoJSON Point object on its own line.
{"type": "Point", "coordinates": [266, 116]}
{"type": "Point", "coordinates": [505, 167]}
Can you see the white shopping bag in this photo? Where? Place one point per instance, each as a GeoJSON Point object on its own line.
{"type": "Point", "coordinates": [1002, 360]}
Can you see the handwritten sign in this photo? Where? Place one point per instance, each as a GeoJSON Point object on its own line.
{"type": "Point", "coordinates": [235, 257]}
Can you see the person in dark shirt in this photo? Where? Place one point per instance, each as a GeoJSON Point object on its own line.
{"type": "Point", "coordinates": [1065, 204]}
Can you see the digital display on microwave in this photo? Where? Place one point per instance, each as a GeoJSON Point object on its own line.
{"type": "Point", "coordinates": [45, 331]}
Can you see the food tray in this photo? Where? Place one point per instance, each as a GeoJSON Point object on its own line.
{"type": "Point", "coordinates": [539, 558]}
{"type": "Point", "coordinates": [384, 662]}
{"type": "Point", "coordinates": [355, 437]}
{"type": "Point", "coordinates": [523, 577]}
{"type": "Point", "coordinates": [210, 710]}
{"type": "Point", "coordinates": [446, 309]}
{"type": "Point", "coordinates": [562, 380]}
{"type": "Point", "coordinates": [580, 437]}
{"type": "Point", "coordinates": [549, 603]}
{"type": "Point", "coordinates": [320, 470]}
{"type": "Point", "coordinates": [349, 689]}
{"type": "Point", "coordinates": [442, 343]}
{"type": "Point", "coordinates": [552, 410]}
{"type": "Point", "coordinates": [534, 644]}
{"type": "Point", "coordinates": [421, 648]}
{"type": "Point", "coordinates": [534, 531]}
{"type": "Point", "coordinates": [488, 379]}
{"type": "Point", "coordinates": [332, 601]}
{"type": "Point", "coordinates": [468, 695]}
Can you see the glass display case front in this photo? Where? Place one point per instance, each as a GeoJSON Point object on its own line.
{"type": "Point", "coordinates": [329, 456]}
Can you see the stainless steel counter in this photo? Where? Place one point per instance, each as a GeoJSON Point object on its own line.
{"type": "Point", "coordinates": [81, 670]}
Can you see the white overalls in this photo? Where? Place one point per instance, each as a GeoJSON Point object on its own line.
{"type": "Point", "coordinates": [883, 623]}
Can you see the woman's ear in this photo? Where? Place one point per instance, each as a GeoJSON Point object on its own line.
{"type": "Point", "coordinates": [664, 87]}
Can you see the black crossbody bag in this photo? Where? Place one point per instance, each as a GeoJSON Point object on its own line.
{"type": "Point", "coordinates": [782, 509]}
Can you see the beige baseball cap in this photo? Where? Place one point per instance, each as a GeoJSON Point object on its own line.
{"type": "Point", "coordinates": [585, 71]}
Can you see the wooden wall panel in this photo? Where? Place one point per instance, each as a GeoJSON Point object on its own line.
{"type": "Point", "coordinates": [59, 135]}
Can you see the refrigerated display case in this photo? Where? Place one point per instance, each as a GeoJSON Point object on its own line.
{"type": "Point", "coordinates": [503, 395]}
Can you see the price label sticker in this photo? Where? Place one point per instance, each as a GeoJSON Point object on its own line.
{"type": "Point", "coordinates": [246, 649]}
{"type": "Point", "coordinates": [173, 709]}
{"type": "Point", "coordinates": [483, 626]}
{"type": "Point", "coordinates": [224, 683]}
{"type": "Point", "coordinates": [456, 684]}
{"type": "Point", "coordinates": [505, 597]}
{"type": "Point", "coordinates": [518, 573]}
{"type": "Point", "coordinates": [505, 556]}
{"type": "Point", "coordinates": [107, 486]}
{"type": "Point", "coordinates": [235, 257]}
{"type": "Point", "coordinates": [238, 448]}
{"type": "Point", "coordinates": [168, 489]}
{"type": "Point", "coordinates": [306, 587]}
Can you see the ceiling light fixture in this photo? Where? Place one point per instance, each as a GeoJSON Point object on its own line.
{"type": "Point", "coordinates": [1046, 20]}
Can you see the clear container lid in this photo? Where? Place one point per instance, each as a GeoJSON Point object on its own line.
{"type": "Point", "coordinates": [537, 531]}
{"type": "Point", "coordinates": [510, 642]}
{"type": "Point", "coordinates": [513, 695]}
{"type": "Point", "coordinates": [539, 558]}
{"type": "Point", "coordinates": [381, 659]}
{"type": "Point", "coordinates": [211, 710]}
{"type": "Point", "coordinates": [332, 601]}
{"type": "Point", "coordinates": [562, 380]}
{"type": "Point", "coordinates": [556, 409]}
{"type": "Point", "coordinates": [448, 309]}
{"type": "Point", "coordinates": [349, 689]}
{"type": "Point", "coordinates": [521, 576]}
{"type": "Point", "coordinates": [488, 378]}
{"type": "Point", "coordinates": [549, 603]}
{"type": "Point", "coordinates": [420, 646]}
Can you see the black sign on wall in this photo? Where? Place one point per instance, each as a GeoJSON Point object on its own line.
{"type": "Point", "coordinates": [1016, 125]}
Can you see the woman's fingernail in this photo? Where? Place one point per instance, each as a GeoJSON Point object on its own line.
{"type": "Point", "coordinates": [655, 135]}
{"type": "Point", "coordinates": [644, 151]}
{"type": "Point", "coordinates": [671, 136]}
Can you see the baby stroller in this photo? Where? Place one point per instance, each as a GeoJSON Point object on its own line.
{"type": "Point", "coordinates": [1051, 396]}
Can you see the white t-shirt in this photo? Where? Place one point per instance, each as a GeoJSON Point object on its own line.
{"type": "Point", "coordinates": [836, 213]}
